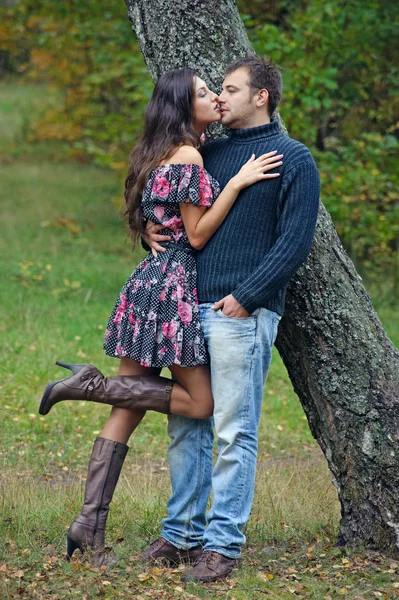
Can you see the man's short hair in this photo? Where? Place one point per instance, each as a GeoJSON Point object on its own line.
{"type": "Point", "coordinates": [262, 75]}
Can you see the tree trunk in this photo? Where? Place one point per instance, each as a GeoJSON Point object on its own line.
{"type": "Point", "coordinates": [342, 365]}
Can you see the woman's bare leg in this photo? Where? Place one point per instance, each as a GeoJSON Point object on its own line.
{"type": "Point", "coordinates": [192, 394]}
{"type": "Point", "coordinates": [122, 422]}
{"type": "Point", "coordinates": [191, 397]}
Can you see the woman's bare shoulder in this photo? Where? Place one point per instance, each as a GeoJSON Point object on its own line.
{"type": "Point", "coordinates": [187, 155]}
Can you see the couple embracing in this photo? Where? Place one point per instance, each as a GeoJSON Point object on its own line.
{"type": "Point", "coordinates": [228, 224]}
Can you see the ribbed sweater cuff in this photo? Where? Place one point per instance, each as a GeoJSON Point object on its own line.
{"type": "Point", "coordinates": [250, 304]}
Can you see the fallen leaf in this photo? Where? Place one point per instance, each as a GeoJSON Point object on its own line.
{"type": "Point", "coordinates": [75, 565]}
{"type": "Point", "coordinates": [19, 574]}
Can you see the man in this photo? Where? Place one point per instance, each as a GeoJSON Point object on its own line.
{"type": "Point", "coordinates": [243, 272]}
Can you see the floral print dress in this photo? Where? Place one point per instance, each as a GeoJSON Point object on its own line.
{"type": "Point", "coordinates": [155, 320]}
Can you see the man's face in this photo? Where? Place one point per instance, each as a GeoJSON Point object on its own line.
{"type": "Point", "coordinates": [237, 102]}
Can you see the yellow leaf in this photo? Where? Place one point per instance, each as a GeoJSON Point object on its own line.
{"type": "Point", "coordinates": [19, 573]}
{"type": "Point", "coordinates": [75, 565]}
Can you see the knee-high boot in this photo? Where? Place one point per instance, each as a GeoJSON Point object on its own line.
{"type": "Point", "coordinates": [125, 391]}
{"type": "Point", "coordinates": [88, 529]}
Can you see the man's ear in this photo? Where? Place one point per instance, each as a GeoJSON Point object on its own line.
{"type": "Point", "coordinates": [263, 98]}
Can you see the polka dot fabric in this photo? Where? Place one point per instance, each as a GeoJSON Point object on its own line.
{"type": "Point", "coordinates": [155, 320]}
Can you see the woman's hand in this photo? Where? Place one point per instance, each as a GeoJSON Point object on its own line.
{"type": "Point", "coordinates": [256, 169]}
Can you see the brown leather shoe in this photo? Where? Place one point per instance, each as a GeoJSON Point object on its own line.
{"type": "Point", "coordinates": [211, 567]}
{"type": "Point", "coordinates": [164, 552]}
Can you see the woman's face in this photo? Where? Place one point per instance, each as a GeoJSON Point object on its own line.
{"type": "Point", "coordinates": [206, 108]}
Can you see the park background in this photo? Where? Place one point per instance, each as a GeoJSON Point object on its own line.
{"type": "Point", "coordinates": [73, 89]}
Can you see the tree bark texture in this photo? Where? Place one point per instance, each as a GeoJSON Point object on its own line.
{"type": "Point", "coordinates": [342, 365]}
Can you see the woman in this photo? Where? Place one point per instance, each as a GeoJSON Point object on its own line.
{"type": "Point", "coordinates": [155, 321]}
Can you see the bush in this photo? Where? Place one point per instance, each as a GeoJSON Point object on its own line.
{"type": "Point", "coordinates": [340, 94]}
{"type": "Point", "coordinates": [341, 99]}
{"type": "Point", "coordinates": [89, 52]}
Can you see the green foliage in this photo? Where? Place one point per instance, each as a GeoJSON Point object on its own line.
{"type": "Point", "coordinates": [360, 184]}
{"type": "Point", "coordinates": [341, 99]}
{"type": "Point", "coordinates": [340, 95]}
{"type": "Point", "coordinates": [332, 73]}
{"type": "Point", "coordinates": [89, 52]}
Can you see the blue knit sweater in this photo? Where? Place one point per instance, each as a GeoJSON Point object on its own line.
{"type": "Point", "coordinates": [269, 231]}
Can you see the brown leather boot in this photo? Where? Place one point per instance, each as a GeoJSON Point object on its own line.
{"type": "Point", "coordinates": [88, 529]}
{"type": "Point", "coordinates": [125, 391]}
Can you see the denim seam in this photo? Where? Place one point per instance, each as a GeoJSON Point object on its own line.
{"type": "Point", "coordinates": [182, 543]}
{"type": "Point", "coordinates": [276, 323]}
{"type": "Point", "coordinates": [198, 484]}
{"type": "Point", "coordinates": [243, 421]}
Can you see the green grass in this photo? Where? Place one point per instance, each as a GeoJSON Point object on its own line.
{"type": "Point", "coordinates": [64, 258]}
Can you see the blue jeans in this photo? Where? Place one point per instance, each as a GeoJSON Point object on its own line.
{"type": "Point", "coordinates": [240, 353]}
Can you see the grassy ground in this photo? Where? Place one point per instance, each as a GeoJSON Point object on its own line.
{"type": "Point", "coordinates": [64, 259]}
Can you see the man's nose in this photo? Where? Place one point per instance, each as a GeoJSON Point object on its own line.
{"type": "Point", "coordinates": [221, 99]}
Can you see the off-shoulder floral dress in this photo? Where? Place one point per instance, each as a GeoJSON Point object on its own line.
{"type": "Point", "coordinates": [155, 320]}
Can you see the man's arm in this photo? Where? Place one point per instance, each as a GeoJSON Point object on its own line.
{"type": "Point", "coordinates": [295, 230]}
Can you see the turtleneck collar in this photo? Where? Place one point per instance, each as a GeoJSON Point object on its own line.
{"type": "Point", "coordinates": [253, 133]}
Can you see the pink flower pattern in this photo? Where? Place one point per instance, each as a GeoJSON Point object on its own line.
{"type": "Point", "coordinates": [120, 313]}
{"type": "Point", "coordinates": [155, 320]}
{"type": "Point", "coordinates": [169, 329]}
{"type": "Point", "coordinates": [159, 212]}
{"type": "Point", "coordinates": [161, 186]}
{"type": "Point", "coordinates": [185, 312]}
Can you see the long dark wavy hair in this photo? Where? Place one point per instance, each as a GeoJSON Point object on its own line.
{"type": "Point", "coordinates": [168, 124]}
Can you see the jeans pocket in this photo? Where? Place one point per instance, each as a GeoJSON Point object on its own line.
{"type": "Point", "coordinates": [253, 315]}
{"type": "Point", "coordinates": [276, 322]}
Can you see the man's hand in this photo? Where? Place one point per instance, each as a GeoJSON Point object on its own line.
{"type": "Point", "coordinates": [230, 307]}
{"type": "Point", "coordinates": [152, 237]}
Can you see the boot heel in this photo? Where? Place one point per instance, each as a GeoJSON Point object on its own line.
{"type": "Point", "coordinates": [74, 368]}
{"type": "Point", "coordinates": [71, 547]}
{"type": "Point", "coordinates": [45, 407]}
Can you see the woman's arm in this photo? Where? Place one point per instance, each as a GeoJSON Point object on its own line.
{"type": "Point", "coordinates": [201, 223]}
